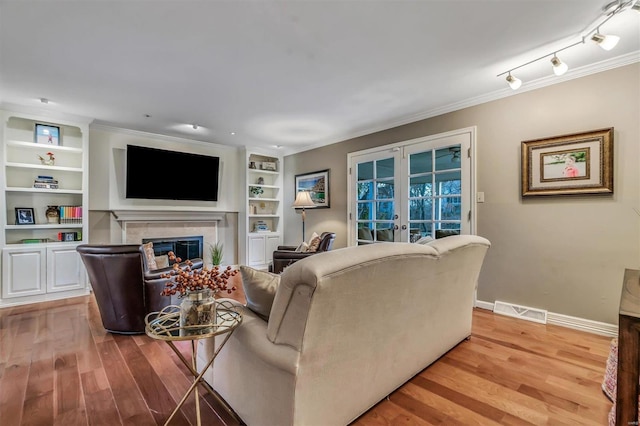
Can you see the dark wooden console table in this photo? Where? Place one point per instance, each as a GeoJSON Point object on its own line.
{"type": "Point", "coordinates": [628, 350]}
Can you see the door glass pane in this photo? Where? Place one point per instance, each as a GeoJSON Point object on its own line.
{"type": "Point", "coordinates": [385, 190]}
{"type": "Point", "coordinates": [365, 191]}
{"type": "Point", "coordinates": [449, 208]}
{"type": "Point", "coordinates": [365, 211]}
{"type": "Point", "coordinates": [421, 186]}
{"type": "Point", "coordinates": [365, 171]}
{"type": "Point", "coordinates": [384, 168]}
{"type": "Point", "coordinates": [448, 158]}
{"type": "Point", "coordinates": [448, 183]}
{"type": "Point", "coordinates": [420, 209]}
{"type": "Point", "coordinates": [420, 163]}
{"type": "Point", "coordinates": [384, 231]}
{"type": "Point", "coordinates": [384, 211]}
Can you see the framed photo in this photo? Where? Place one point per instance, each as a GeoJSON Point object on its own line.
{"type": "Point", "coordinates": [317, 183]}
{"type": "Point", "coordinates": [25, 216]}
{"type": "Point", "coordinates": [576, 164]}
{"type": "Point", "coordinates": [47, 134]}
{"type": "Point", "coordinates": [268, 165]}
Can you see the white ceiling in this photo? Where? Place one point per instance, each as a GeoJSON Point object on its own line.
{"type": "Point", "coordinates": [291, 73]}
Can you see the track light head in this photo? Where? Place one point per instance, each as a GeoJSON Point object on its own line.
{"type": "Point", "coordinates": [514, 82]}
{"type": "Point", "coordinates": [607, 42]}
{"type": "Point", "coordinates": [559, 67]}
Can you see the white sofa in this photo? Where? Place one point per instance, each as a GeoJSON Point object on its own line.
{"type": "Point", "coordinates": [347, 327]}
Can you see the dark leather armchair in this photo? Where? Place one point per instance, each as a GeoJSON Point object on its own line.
{"type": "Point", "coordinates": [125, 292]}
{"type": "Point", "coordinates": [286, 255]}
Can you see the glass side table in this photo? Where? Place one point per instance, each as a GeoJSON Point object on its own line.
{"type": "Point", "coordinates": [165, 325]}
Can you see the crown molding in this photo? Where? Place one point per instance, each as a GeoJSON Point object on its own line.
{"type": "Point", "coordinates": [618, 61]}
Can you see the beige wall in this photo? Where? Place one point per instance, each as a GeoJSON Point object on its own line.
{"type": "Point", "coordinates": [563, 254]}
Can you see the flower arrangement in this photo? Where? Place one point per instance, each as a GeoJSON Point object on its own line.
{"type": "Point", "coordinates": [182, 281]}
{"type": "Point", "coordinates": [48, 161]}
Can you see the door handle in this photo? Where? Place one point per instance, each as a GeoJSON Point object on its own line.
{"type": "Point", "coordinates": [404, 227]}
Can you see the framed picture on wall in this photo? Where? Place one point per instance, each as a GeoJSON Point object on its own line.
{"type": "Point", "coordinates": [317, 183]}
{"type": "Point", "coordinates": [576, 164]}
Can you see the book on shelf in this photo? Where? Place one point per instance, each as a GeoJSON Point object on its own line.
{"type": "Point", "coordinates": [70, 236]}
{"type": "Point", "coordinates": [42, 185]}
{"type": "Point", "coordinates": [36, 240]}
{"type": "Point", "coordinates": [45, 182]}
{"type": "Point", "coordinates": [70, 214]}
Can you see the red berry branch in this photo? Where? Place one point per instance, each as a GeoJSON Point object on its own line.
{"type": "Point", "coordinates": [184, 280]}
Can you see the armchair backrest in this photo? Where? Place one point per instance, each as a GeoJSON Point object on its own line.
{"type": "Point", "coordinates": [115, 274]}
{"type": "Point", "coordinates": [326, 241]}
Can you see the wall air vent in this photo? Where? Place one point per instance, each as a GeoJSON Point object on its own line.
{"type": "Point", "coordinates": [522, 312]}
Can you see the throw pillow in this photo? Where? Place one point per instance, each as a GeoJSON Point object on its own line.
{"type": "Point", "coordinates": [162, 261]}
{"type": "Point", "coordinates": [259, 290]}
{"type": "Point", "coordinates": [302, 248]}
{"type": "Point", "coordinates": [424, 240]}
{"type": "Point", "coordinates": [314, 243]}
{"type": "Point", "coordinates": [149, 256]}
{"type": "Point", "coordinates": [384, 235]}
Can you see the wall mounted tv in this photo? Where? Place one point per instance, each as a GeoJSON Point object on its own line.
{"type": "Point", "coordinates": [171, 175]}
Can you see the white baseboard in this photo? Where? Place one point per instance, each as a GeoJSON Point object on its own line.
{"type": "Point", "coordinates": [576, 323]}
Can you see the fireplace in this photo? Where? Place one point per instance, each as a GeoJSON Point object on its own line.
{"type": "Point", "coordinates": [183, 247]}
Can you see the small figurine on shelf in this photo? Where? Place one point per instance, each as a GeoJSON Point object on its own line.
{"type": "Point", "coordinates": [260, 181]}
{"type": "Point", "coordinates": [48, 161]}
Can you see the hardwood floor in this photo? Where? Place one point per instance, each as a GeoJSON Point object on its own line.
{"type": "Point", "coordinates": [58, 366]}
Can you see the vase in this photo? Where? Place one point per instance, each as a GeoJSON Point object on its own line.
{"type": "Point", "coordinates": [197, 312]}
{"type": "Point", "coordinates": [52, 214]}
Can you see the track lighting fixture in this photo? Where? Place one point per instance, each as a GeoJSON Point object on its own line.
{"type": "Point", "coordinates": [605, 41]}
{"type": "Point", "coordinates": [195, 126]}
{"type": "Point", "coordinates": [514, 82]}
{"type": "Point", "coordinates": [559, 67]}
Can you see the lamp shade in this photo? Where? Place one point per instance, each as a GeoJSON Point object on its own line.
{"type": "Point", "coordinates": [303, 200]}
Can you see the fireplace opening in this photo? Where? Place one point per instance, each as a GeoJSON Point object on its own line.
{"type": "Point", "coordinates": [184, 247]}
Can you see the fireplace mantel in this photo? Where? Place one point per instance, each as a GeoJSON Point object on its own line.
{"type": "Point", "coordinates": [166, 216]}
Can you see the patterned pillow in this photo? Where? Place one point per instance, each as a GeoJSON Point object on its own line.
{"type": "Point", "coordinates": [150, 257]}
{"type": "Point", "coordinates": [314, 243]}
{"type": "Point", "coordinates": [302, 248]}
{"type": "Point", "coordinates": [259, 290]}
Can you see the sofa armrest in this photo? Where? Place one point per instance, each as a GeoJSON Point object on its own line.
{"type": "Point", "coordinates": [288, 248]}
{"type": "Point", "coordinates": [278, 254]}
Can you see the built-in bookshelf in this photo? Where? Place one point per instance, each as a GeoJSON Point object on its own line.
{"type": "Point", "coordinates": [263, 208]}
{"type": "Point", "coordinates": [44, 187]}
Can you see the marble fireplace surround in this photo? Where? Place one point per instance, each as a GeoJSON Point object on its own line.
{"type": "Point", "coordinates": [139, 224]}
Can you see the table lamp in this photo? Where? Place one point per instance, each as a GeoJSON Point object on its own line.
{"type": "Point", "coordinates": [303, 201]}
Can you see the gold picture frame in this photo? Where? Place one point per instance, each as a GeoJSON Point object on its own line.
{"type": "Point", "coordinates": [575, 164]}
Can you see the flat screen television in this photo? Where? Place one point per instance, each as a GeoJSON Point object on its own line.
{"type": "Point", "coordinates": [170, 175]}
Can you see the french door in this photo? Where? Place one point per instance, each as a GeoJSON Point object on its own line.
{"type": "Point", "coordinates": [417, 188]}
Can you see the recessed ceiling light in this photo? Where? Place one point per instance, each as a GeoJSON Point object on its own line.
{"type": "Point", "coordinates": [233, 133]}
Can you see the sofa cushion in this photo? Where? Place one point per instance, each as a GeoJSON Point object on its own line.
{"type": "Point", "coordinates": [149, 256]}
{"type": "Point", "coordinates": [259, 290]}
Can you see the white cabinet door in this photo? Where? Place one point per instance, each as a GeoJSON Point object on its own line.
{"type": "Point", "coordinates": [256, 250]}
{"type": "Point", "coordinates": [23, 272]}
{"type": "Point", "coordinates": [273, 241]}
{"type": "Point", "coordinates": [64, 270]}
